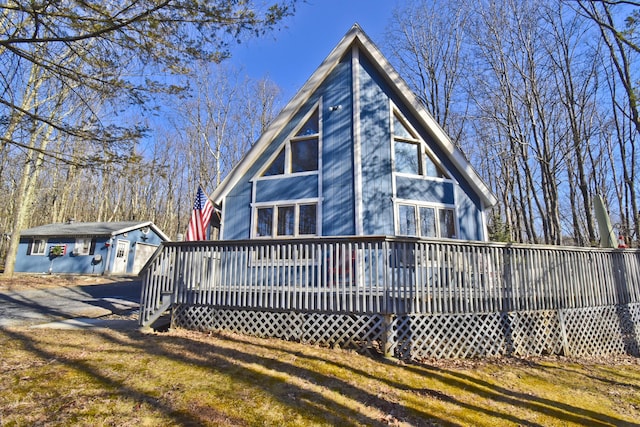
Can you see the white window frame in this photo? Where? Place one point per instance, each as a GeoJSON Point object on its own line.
{"type": "Point", "coordinates": [42, 247]}
{"type": "Point", "coordinates": [274, 226]}
{"type": "Point", "coordinates": [423, 149]}
{"type": "Point", "coordinates": [82, 246]}
{"type": "Point", "coordinates": [436, 207]}
{"type": "Point", "coordinates": [286, 145]}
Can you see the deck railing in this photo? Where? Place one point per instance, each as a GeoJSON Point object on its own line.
{"type": "Point", "coordinates": [385, 275]}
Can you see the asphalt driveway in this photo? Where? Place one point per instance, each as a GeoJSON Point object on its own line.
{"type": "Point", "coordinates": [97, 305]}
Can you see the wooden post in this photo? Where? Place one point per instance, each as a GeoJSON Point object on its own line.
{"type": "Point", "coordinates": [389, 343]}
{"type": "Point", "coordinates": [563, 333]}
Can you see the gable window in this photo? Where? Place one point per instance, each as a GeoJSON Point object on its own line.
{"type": "Point", "coordinates": [300, 153]}
{"type": "Point", "coordinates": [286, 220]}
{"type": "Point", "coordinates": [38, 247]}
{"type": "Point", "coordinates": [410, 153]}
{"type": "Point", "coordinates": [407, 156]}
{"type": "Point", "coordinates": [304, 155]}
{"type": "Point", "coordinates": [277, 165]}
{"type": "Point", "coordinates": [426, 221]}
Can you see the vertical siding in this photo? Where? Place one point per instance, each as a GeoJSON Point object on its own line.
{"type": "Point", "coordinates": [237, 204]}
{"type": "Point", "coordinates": [338, 209]}
{"type": "Point", "coordinates": [337, 163]}
{"type": "Point", "coordinates": [469, 217]}
{"type": "Point", "coordinates": [237, 211]}
{"type": "Point", "coordinates": [376, 153]}
{"type": "Point", "coordinates": [377, 173]}
{"type": "Point", "coordinates": [338, 192]}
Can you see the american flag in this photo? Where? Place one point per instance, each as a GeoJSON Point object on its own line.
{"type": "Point", "coordinates": [200, 217]}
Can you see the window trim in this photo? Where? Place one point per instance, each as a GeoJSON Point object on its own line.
{"type": "Point", "coordinates": [286, 146]}
{"type": "Point", "coordinates": [274, 226]}
{"type": "Point", "coordinates": [437, 207]}
{"type": "Point", "coordinates": [33, 246]}
{"type": "Point", "coordinates": [84, 243]}
{"type": "Point", "coordinates": [424, 149]}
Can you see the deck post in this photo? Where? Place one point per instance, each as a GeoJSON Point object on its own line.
{"type": "Point", "coordinates": [563, 333]}
{"type": "Point", "coordinates": [389, 343]}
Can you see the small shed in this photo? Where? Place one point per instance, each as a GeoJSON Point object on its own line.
{"type": "Point", "coordinates": [88, 247]}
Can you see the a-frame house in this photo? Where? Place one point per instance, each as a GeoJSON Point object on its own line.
{"type": "Point", "coordinates": [354, 153]}
{"type": "Point", "coordinates": [351, 223]}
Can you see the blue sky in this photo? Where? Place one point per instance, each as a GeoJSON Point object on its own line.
{"type": "Point", "coordinates": [289, 56]}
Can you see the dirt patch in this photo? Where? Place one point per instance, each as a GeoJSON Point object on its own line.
{"type": "Point", "coordinates": [44, 281]}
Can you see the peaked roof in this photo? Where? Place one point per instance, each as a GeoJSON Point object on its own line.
{"type": "Point", "coordinates": [358, 37]}
{"type": "Point", "coordinates": [90, 229]}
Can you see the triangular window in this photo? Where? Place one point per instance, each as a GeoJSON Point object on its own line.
{"type": "Point", "coordinates": [277, 165]}
{"type": "Point", "coordinates": [431, 168]}
{"type": "Point", "coordinates": [311, 126]}
{"type": "Point", "coordinates": [300, 153]}
{"type": "Point", "coordinates": [400, 130]}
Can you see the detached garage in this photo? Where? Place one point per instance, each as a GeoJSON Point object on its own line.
{"type": "Point", "coordinates": [88, 247]}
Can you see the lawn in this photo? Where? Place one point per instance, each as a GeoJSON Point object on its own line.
{"type": "Point", "coordinates": [106, 377]}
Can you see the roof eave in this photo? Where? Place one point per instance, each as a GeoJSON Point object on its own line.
{"type": "Point", "coordinates": [400, 87]}
{"type": "Point", "coordinates": [286, 114]}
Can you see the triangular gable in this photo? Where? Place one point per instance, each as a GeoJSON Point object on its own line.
{"type": "Point", "coordinates": [396, 83]}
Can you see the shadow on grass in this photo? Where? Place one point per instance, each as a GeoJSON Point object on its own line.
{"type": "Point", "coordinates": [317, 397]}
{"type": "Point", "coordinates": [482, 389]}
{"type": "Point", "coordinates": [291, 378]}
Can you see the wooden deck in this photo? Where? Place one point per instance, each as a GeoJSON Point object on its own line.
{"type": "Point", "coordinates": [391, 279]}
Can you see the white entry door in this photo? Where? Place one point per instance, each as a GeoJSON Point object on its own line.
{"type": "Point", "coordinates": [122, 255]}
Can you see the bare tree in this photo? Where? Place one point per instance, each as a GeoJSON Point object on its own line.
{"type": "Point", "coordinates": [622, 62]}
{"type": "Point", "coordinates": [426, 41]}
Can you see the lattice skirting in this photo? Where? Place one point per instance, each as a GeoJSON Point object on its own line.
{"type": "Point", "coordinates": [596, 331]}
{"type": "Point", "coordinates": [602, 331]}
{"type": "Point", "coordinates": [477, 335]}
{"type": "Point", "coordinates": [335, 330]}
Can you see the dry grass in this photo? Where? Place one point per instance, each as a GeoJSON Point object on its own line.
{"type": "Point", "coordinates": [104, 377]}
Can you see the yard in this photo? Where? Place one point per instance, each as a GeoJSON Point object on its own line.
{"type": "Point", "coordinates": [107, 377]}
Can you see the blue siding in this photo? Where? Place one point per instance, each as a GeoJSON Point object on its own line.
{"type": "Point", "coordinates": [377, 209]}
{"type": "Point", "coordinates": [296, 187]}
{"type": "Point", "coordinates": [338, 210]}
{"type": "Point", "coordinates": [79, 264]}
{"type": "Point", "coordinates": [237, 212]}
{"type": "Point", "coordinates": [68, 263]}
{"type": "Point", "coordinates": [337, 197]}
{"type": "Point", "coordinates": [337, 166]}
{"type": "Point", "coordinates": [469, 218]}
{"type": "Point", "coordinates": [425, 190]}
{"type": "Point", "coordinates": [469, 211]}
{"type": "Point", "coordinates": [134, 237]}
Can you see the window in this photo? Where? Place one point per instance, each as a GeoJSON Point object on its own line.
{"type": "Point", "coordinates": [304, 155]}
{"type": "Point", "coordinates": [286, 220]}
{"type": "Point", "coordinates": [82, 247]}
{"type": "Point", "coordinates": [447, 223]}
{"type": "Point", "coordinates": [408, 220]}
{"type": "Point", "coordinates": [407, 156]}
{"type": "Point", "coordinates": [300, 153]}
{"type": "Point", "coordinates": [277, 166]}
{"type": "Point", "coordinates": [265, 222]}
{"type": "Point", "coordinates": [307, 220]}
{"type": "Point", "coordinates": [410, 152]}
{"type": "Point", "coordinates": [38, 247]}
{"type": "Point", "coordinates": [425, 221]}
